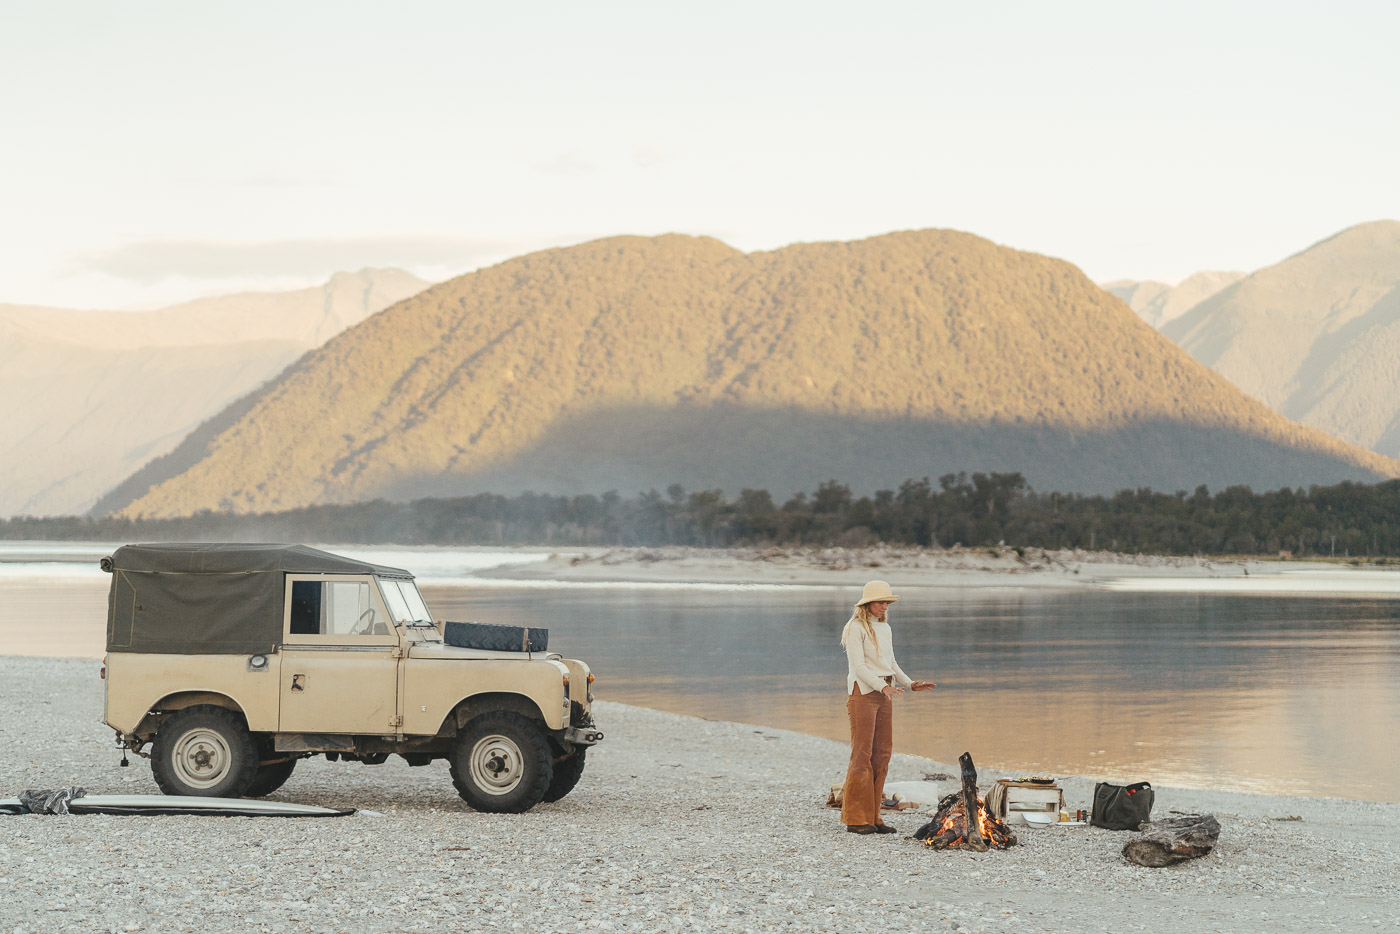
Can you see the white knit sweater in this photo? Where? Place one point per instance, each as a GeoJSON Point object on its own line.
{"type": "Point", "coordinates": [868, 664]}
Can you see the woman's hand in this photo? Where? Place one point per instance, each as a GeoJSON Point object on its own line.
{"type": "Point", "coordinates": [891, 690]}
{"type": "Point", "coordinates": [922, 686]}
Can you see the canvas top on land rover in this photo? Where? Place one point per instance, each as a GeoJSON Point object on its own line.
{"type": "Point", "coordinates": [227, 663]}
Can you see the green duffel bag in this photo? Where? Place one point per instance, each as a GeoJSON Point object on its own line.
{"type": "Point", "coordinates": [1121, 807]}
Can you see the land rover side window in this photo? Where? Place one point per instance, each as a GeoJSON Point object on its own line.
{"type": "Point", "coordinates": [332, 608]}
{"type": "Point", "coordinates": [406, 603]}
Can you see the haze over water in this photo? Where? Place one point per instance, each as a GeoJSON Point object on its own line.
{"type": "Point", "coordinates": [1284, 694]}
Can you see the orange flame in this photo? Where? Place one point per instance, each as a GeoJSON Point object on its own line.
{"type": "Point", "coordinates": [991, 829]}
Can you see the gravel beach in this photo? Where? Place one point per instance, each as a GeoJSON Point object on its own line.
{"type": "Point", "coordinates": [679, 824]}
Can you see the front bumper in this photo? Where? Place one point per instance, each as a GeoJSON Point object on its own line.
{"type": "Point", "coordinates": [583, 736]}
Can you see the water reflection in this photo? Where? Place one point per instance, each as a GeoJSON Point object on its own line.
{"type": "Point", "coordinates": [61, 617]}
{"type": "Point", "coordinates": [1294, 695]}
{"type": "Point", "coordinates": [1250, 693]}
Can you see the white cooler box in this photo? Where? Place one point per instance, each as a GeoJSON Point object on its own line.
{"type": "Point", "coordinates": [1008, 800]}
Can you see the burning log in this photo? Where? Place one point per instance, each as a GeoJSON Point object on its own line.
{"type": "Point", "coordinates": [1173, 840]}
{"type": "Point", "coordinates": [962, 821]}
{"type": "Point", "coordinates": [972, 834]}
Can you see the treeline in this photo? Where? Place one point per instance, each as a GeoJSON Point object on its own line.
{"type": "Point", "coordinates": [1349, 519]}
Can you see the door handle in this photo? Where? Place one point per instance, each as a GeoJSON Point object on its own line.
{"type": "Point", "coordinates": [298, 682]}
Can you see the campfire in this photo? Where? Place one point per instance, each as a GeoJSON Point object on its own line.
{"type": "Point", "coordinates": [963, 821]}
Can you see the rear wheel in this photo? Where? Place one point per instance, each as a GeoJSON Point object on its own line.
{"type": "Point", "coordinates": [205, 751]}
{"type": "Point", "coordinates": [567, 772]}
{"type": "Point", "coordinates": [502, 763]}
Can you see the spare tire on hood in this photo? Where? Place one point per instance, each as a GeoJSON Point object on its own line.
{"type": "Point", "coordinates": [495, 638]}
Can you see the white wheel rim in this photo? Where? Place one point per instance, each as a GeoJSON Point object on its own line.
{"type": "Point", "coordinates": [497, 764]}
{"type": "Point", "coordinates": [202, 758]}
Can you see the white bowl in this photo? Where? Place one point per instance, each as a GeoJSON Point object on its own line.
{"type": "Point", "coordinates": [1039, 818]}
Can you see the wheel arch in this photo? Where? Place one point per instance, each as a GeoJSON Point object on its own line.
{"type": "Point", "coordinates": [469, 708]}
{"type": "Point", "coordinates": [179, 700]}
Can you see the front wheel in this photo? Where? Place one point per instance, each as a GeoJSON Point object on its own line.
{"type": "Point", "coordinates": [206, 751]}
{"type": "Point", "coordinates": [502, 763]}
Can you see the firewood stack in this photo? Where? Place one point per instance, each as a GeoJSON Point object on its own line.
{"type": "Point", "coordinates": [963, 821]}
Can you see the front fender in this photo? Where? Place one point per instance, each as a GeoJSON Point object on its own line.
{"type": "Point", "coordinates": [436, 688]}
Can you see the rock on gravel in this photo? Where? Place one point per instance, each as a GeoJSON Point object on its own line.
{"type": "Point", "coordinates": [679, 824]}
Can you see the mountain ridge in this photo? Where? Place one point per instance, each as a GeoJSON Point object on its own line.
{"type": "Point", "coordinates": [93, 395]}
{"type": "Point", "coordinates": [221, 319]}
{"type": "Point", "coordinates": [1316, 336]}
{"type": "Point", "coordinates": [1158, 303]}
{"type": "Point", "coordinates": [930, 330]}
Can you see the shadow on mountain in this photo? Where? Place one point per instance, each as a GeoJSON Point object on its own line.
{"type": "Point", "coordinates": [637, 448]}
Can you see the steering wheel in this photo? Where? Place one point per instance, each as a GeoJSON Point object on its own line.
{"type": "Point", "coordinates": [364, 624]}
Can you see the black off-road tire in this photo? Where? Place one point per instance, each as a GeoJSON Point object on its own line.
{"type": "Point", "coordinates": [204, 751]}
{"type": "Point", "coordinates": [269, 778]}
{"type": "Point", "coordinates": [567, 772]}
{"type": "Point", "coordinates": [270, 775]}
{"type": "Point", "coordinates": [502, 763]}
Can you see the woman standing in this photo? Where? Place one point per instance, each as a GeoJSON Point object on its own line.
{"type": "Point", "coordinates": [873, 678]}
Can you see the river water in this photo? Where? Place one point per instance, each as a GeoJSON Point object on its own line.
{"type": "Point", "coordinates": [1293, 692]}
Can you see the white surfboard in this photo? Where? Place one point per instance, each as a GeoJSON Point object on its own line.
{"type": "Point", "coordinates": [182, 804]}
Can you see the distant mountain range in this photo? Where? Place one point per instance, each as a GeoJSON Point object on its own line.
{"type": "Point", "coordinates": [634, 363]}
{"type": "Point", "coordinates": [1316, 337]}
{"type": "Point", "coordinates": [91, 396]}
{"type": "Point", "coordinates": [1158, 303]}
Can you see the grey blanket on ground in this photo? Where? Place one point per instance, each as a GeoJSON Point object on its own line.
{"type": "Point", "coordinates": [50, 802]}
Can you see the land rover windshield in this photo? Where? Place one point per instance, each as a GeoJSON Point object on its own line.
{"type": "Point", "coordinates": [405, 603]}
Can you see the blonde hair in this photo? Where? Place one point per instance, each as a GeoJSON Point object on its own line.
{"type": "Point", "coordinates": [866, 619]}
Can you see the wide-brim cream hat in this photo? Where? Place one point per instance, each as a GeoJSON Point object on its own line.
{"type": "Point", "coordinates": [877, 592]}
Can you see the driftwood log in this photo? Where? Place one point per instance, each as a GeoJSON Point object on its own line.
{"type": "Point", "coordinates": [1173, 840]}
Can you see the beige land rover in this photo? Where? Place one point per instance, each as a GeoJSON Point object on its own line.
{"type": "Point", "coordinates": [232, 661]}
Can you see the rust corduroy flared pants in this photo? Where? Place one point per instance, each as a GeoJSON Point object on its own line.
{"type": "Point", "coordinates": [872, 741]}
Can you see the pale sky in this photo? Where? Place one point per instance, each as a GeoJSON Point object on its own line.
{"type": "Point", "coordinates": [156, 151]}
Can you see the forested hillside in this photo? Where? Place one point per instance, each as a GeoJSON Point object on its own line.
{"type": "Point", "coordinates": [1346, 520]}
{"type": "Point", "coordinates": [1316, 336]}
{"type": "Point", "coordinates": [632, 363]}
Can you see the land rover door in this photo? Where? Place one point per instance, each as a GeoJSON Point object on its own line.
{"type": "Point", "coordinates": [340, 657]}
